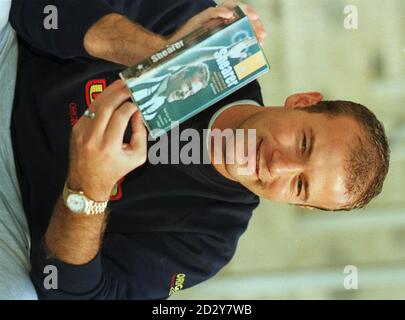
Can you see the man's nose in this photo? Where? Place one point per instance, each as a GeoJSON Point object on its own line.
{"type": "Point", "coordinates": [281, 165]}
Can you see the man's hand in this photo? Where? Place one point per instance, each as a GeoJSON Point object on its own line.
{"type": "Point", "coordinates": [117, 39]}
{"type": "Point", "coordinates": [98, 157]}
{"type": "Point", "coordinates": [223, 11]}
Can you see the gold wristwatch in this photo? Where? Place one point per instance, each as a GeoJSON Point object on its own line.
{"type": "Point", "coordinates": [77, 202]}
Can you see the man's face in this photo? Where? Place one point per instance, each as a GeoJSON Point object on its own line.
{"type": "Point", "coordinates": [300, 156]}
{"type": "Point", "coordinates": [188, 88]}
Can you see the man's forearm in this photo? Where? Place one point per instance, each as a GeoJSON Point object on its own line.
{"type": "Point", "coordinates": [115, 38]}
{"type": "Point", "coordinates": [74, 238]}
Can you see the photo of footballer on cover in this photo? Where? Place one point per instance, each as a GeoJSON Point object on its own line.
{"type": "Point", "coordinates": [180, 83]}
{"type": "Point", "coordinates": [177, 84]}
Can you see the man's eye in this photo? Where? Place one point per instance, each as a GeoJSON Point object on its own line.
{"type": "Point", "coordinates": [304, 143]}
{"type": "Point", "coordinates": [299, 186]}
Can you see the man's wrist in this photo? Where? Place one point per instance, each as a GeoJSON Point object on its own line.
{"type": "Point", "coordinates": [95, 192]}
{"type": "Point", "coordinates": [72, 238]}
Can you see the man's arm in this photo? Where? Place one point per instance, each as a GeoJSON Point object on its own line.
{"type": "Point", "coordinates": [93, 28]}
{"type": "Point", "coordinates": [98, 159]}
{"type": "Point", "coordinates": [142, 265]}
{"type": "Point", "coordinates": [73, 238]}
{"type": "Point", "coordinates": [117, 39]}
{"type": "Point", "coordinates": [90, 28]}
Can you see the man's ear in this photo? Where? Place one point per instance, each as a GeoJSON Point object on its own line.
{"type": "Point", "coordinates": [303, 100]}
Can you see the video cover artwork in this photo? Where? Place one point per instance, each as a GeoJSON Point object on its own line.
{"type": "Point", "coordinates": [196, 72]}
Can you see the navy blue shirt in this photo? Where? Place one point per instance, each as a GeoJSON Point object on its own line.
{"type": "Point", "coordinates": [170, 226]}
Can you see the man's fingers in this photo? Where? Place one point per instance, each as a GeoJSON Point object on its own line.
{"type": "Point", "coordinates": [137, 149]}
{"type": "Point", "coordinates": [255, 20]}
{"type": "Point", "coordinates": [252, 14]}
{"type": "Point", "coordinates": [116, 85]}
{"type": "Point", "coordinates": [230, 3]}
{"type": "Point", "coordinates": [217, 12]}
{"type": "Point", "coordinates": [260, 32]}
{"type": "Point", "coordinates": [118, 123]}
{"type": "Point", "coordinates": [108, 103]}
{"type": "Point", "coordinates": [139, 133]}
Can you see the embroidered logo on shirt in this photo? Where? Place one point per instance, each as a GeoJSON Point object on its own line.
{"type": "Point", "coordinates": [93, 89]}
{"type": "Point", "coordinates": [73, 114]}
{"type": "Point", "coordinates": [177, 283]}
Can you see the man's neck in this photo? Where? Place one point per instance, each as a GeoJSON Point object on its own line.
{"type": "Point", "coordinates": [231, 118]}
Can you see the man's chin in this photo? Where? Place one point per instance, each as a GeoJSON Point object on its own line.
{"type": "Point", "coordinates": [243, 175]}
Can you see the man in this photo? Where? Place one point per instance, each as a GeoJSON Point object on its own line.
{"type": "Point", "coordinates": [176, 84]}
{"type": "Point", "coordinates": [169, 226]}
{"type": "Point", "coordinates": [14, 235]}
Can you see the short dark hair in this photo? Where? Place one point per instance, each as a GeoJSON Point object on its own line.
{"type": "Point", "coordinates": [368, 160]}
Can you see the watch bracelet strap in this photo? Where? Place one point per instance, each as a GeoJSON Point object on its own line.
{"type": "Point", "coordinates": [95, 207]}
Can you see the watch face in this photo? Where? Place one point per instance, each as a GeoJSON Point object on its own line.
{"type": "Point", "coordinates": [76, 203]}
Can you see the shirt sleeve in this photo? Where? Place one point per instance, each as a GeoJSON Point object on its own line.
{"type": "Point", "coordinates": [70, 18]}
{"type": "Point", "coordinates": [75, 17]}
{"type": "Point", "coordinates": [140, 266]}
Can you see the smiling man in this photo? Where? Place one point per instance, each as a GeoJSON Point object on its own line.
{"type": "Point", "coordinates": [163, 227]}
{"type": "Point", "coordinates": [330, 155]}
